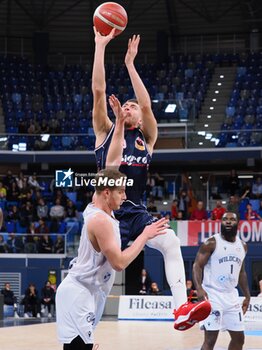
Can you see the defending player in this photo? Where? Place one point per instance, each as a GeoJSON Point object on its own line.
{"type": "Point", "coordinates": [129, 144]}
{"type": "Point", "coordinates": [218, 269]}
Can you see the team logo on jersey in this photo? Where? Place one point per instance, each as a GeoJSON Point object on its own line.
{"type": "Point", "coordinates": [107, 276]}
{"type": "Point", "coordinates": [139, 144]}
{"type": "Point", "coordinates": [91, 318]}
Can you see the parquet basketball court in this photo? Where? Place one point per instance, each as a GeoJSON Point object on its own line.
{"type": "Point", "coordinates": [121, 335]}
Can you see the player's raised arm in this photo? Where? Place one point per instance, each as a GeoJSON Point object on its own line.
{"type": "Point", "coordinates": [115, 151]}
{"type": "Point", "coordinates": [107, 243]}
{"type": "Point", "coordinates": [149, 124]}
{"type": "Point", "coordinates": [101, 121]}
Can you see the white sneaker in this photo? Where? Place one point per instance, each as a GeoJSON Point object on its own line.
{"type": "Point", "coordinates": [26, 315]}
{"type": "Point", "coordinates": [49, 315]}
{"type": "Point", "coordinates": [38, 315]}
{"type": "Point", "coordinates": [16, 315]}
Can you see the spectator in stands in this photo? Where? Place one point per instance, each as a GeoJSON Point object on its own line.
{"type": "Point", "coordinates": [150, 183]}
{"type": "Point", "coordinates": [257, 188]}
{"type": "Point", "coordinates": [33, 183]}
{"type": "Point", "coordinates": [58, 194]}
{"type": "Point", "coordinates": [13, 214]}
{"type": "Point", "coordinates": [48, 298]}
{"type": "Point", "coordinates": [33, 128]}
{"type": "Point", "coordinates": [26, 214]}
{"type": "Point", "coordinates": [180, 215]}
{"type": "Point", "coordinates": [144, 282]}
{"type": "Point", "coordinates": [174, 209]}
{"type": "Point", "coordinates": [8, 180]}
{"type": "Point", "coordinates": [13, 192]}
{"type": "Point", "coordinates": [42, 209]}
{"type": "Point", "coordinates": [42, 227]}
{"type": "Point", "coordinates": [251, 214]}
{"type": "Point", "coordinates": [28, 198]}
{"type": "Point", "coordinates": [3, 192]}
{"type": "Point", "coordinates": [20, 180]}
{"type": "Point", "coordinates": [233, 205]}
{"type": "Point", "coordinates": [45, 245]}
{"type": "Point", "coordinates": [3, 246]}
{"type": "Point", "coordinates": [31, 302]}
{"type": "Point", "coordinates": [57, 214]}
{"type": "Point", "coordinates": [199, 213]}
{"type": "Point", "coordinates": [154, 290]}
{"type": "Point", "coordinates": [15, 243]}
{"type": "Point", "coordinates": [10, 298]}
{"type": "Point", "coordinates": [31, 239]}
{"type": "Point", "coordinates": [183, 201]}
{"type": "Point", "coordinates": [59, 246]}
{"type": "Point", "coordinates": [158, 189]}
{"type": "Point", "coordinates": [151, 208]}
{"type": "Point", "coordinates": [233, 183]}
{"type": "Point", "coordinates": [71, 211]}
{"type": "Point", "coordinates": [218, 211]}
{"type": "Point", "coordinates": [44, 127]}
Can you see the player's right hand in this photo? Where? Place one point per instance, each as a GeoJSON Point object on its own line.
{"type": "Point", "coordinates": [103, 39]}
{"type": "Point", "coordinates": [201, 294]}
{"type": "Point", "coordinates": [156, 228]}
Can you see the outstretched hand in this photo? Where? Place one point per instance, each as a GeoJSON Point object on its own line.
{"type": "Point", "coordinates": [116, 108]}
{"type": "Point", "coordinates": [156, 228]}
{"type": "Point", "coordinates": [132, 49]}
{"type": "Point", "coordinates": [103, 39]}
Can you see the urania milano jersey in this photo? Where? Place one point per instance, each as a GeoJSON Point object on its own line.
{"type": "Point", "coordinates": [91, 268]}
{"type": "Point", "coordinates": [221, 272]}
{"type": "Point", "coordinates": [135, 161]}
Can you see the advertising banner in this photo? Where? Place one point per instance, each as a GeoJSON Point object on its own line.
{"type": "Point", "coordinates": [193, 233]}
{"type": "Point", "coordinates": [160, 308]}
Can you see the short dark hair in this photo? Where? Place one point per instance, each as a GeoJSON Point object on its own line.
{"type": "Point", "coordinates": [108, 174]}
{"type": "Point", "coordinates": [134, 100]}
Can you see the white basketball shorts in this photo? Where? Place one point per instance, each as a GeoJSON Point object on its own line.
{"type": "Point", "coordinates": [75, 311]}
{"type": "Point", "coordinates": [226, 312]}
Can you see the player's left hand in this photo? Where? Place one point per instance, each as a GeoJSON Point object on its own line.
{"type": "Point", "coordinates": [132, 49]}
{"type": "Point", "coordinates": [245, 304]}
{"type": "Point", "coordinates": [117, 109]}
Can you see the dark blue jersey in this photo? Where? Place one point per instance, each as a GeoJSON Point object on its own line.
{"type": "Point", "coordinates": [135, 161]}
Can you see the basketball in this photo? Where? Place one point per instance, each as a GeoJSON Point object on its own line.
{"type": "Point", "coordinates": [110, 15]}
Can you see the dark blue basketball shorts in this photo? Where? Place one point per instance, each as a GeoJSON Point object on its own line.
{"type": "Point", "coordinates": [133, 219]}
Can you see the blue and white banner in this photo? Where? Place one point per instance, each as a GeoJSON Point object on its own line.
{"type": "Point", "coordinates": [160, 308]}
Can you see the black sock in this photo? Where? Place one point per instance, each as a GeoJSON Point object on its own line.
{"type": "Point", "coordinates": [78, 344]}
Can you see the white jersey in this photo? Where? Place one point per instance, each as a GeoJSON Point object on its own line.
{"type": "Point", "coordinates": [91, 268]}
{"type": "Point", "coordinates": [221, 273]}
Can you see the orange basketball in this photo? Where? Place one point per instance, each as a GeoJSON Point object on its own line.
{"type": "Point", "coordinates": [110, 15]}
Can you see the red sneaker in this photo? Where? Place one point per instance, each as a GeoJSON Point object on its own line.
{"type": "Point", "coordinates": [188, 314]}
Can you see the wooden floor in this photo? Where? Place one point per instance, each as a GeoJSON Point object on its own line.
{"type": "Point", "coordinates": [117, 335]}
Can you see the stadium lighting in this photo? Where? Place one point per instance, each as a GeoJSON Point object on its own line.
{"type": "Point", "coordinates": [211, 107]}
{"type": "Point", "coordinates": [206, 125]}
{"type": "Point", "coordinates": [245, 176]}
{"type": "Point", "coordinates": [209, 116]}
{"type": "Point", "coordinates": [217, 92]}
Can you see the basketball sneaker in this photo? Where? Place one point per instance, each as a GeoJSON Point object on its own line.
{"type": "Point", "coordinates": [188, 314]}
